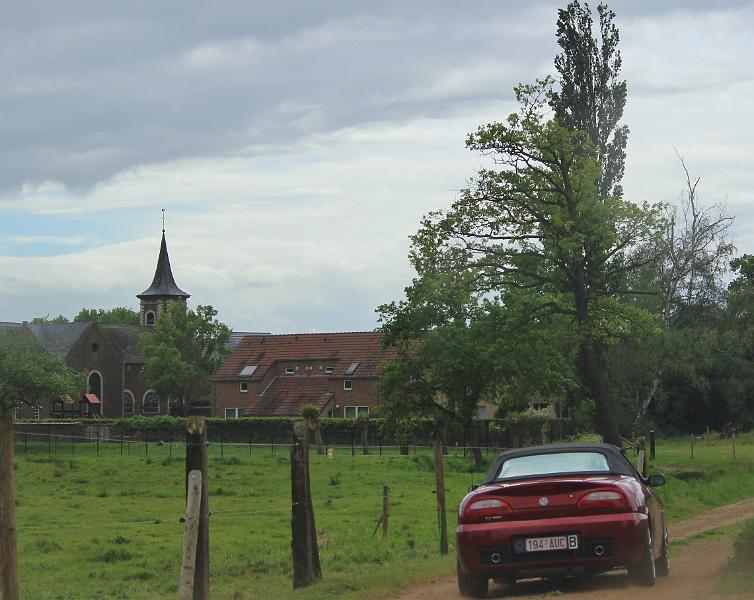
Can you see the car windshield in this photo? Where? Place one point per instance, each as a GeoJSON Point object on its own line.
{"type": "Point", "coordinates": [545, 464]}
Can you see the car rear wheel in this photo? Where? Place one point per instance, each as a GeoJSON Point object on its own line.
{"type": "Point", "coordinates": [471, 586]}
{"type": "Point", "coordinates": [644, 573]}
{"type": "Point", "coordinates": [662, 564]}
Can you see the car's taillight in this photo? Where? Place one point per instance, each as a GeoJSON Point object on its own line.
{"type": "Point", "coordinates": [603, 500]}
{"type": "Point", "coordinates": [485, 508]}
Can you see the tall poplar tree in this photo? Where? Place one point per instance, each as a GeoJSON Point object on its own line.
{"type": "Point", "coordinates": [592, 97]}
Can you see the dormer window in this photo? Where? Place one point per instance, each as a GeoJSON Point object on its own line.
{"type": "Point", "coordinates": [329, 370]}
{"type": "Point", "coordinates": [290, 371]}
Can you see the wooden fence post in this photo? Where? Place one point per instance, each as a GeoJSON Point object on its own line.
{"type": "Point", "coordinates": [196, 460]}
{"type": "Point", "coordinates": [8, 557]}
{"type": "Point", "coordinates": [440, 485]}
{"type": "Point", "coordinates": [385, 499]}
{"type": "Point", "coordinates": [190, 533]}
{"type": "Point", "coordinates": [652, 444]}
{"type": "Point", "coordinates": [733, 436]}
{"type": "Point", "coordinates": [304, 550]}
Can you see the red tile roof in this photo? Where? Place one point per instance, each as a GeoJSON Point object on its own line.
{"type": "Point", "coordinates": [91, 399]}
{"type": "Point", "coordinates": [339, 350]}
{"type": "Point", "coordinates": [286, 395]}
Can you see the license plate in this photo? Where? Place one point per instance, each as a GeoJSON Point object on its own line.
{"type": "Point", "coordinates": [550, 543]}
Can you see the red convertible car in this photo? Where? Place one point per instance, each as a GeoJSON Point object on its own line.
{"type": "Point", "coordinates": [557, 510]}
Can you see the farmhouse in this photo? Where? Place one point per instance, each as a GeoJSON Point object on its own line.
{"type": "Point", "coordinates": [275, 375]}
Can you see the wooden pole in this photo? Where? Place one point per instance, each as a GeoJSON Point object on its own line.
{"type": "Point", "coordinates": [652, 444]}
{"type": "Point", "coordinates": [304, 550]}
{"type": "Point", "coordinates": [8, 557]}
{"type": "Point", "coordinates": [190, 535]}
{"type": "Point", "coordinates": [385, 493]}
{"type": "Point", "coordinates": [196, 460]}
{"type": "Point", "coordinates": [440, 488]}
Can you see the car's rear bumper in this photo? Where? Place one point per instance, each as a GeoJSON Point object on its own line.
{"type": "Point", "coordinates": [490, 548]}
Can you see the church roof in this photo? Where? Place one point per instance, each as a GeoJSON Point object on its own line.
{"type": "Point", "coordinates": [125, 338]}
{"type": "Point", "coordinates": [58, 338]}
{"type": "Point", "coordinates": [163, 283]}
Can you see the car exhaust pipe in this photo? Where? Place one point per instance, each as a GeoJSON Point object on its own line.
{"type": "Point", "coordinates": [495, 558]}
{"type": "Point", "coordinates": [599, 550]}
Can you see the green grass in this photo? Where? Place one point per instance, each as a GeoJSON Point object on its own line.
{"type": "Point", "coordinates": [710, 479]}
{"type": "Point", "coordinates": [739, 576]}
{"type": "Point", "coordinates": [106, 526]}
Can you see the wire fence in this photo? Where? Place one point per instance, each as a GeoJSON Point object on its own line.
{"type": "Point", "coordinates": [53, 443]}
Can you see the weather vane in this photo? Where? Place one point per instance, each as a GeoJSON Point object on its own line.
{"type": "Point", "coordinates": [163, 220]}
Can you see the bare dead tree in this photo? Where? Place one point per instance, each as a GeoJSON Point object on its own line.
{"type": "Point", "coordinates": [696, 253]}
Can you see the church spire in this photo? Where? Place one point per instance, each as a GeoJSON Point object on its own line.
{"type": "Point", "coordinates": [163, 288]}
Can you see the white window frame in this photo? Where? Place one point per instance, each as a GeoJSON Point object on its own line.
{"type": "Point", "coordinates": [348, 385]}
{"type": "Point", "coordinates": [123, 404]}
{"type": "Point", "coordinates": [357, 411]}
{"type": "Point", "coordinates": [144, 403]}
{"type": "Point", "coordinates": [243, 387]}
{"type": "Point", "coordinates": [36, 412]}
{"type": "Point", "coordinates": [329, 370]}
{"type": "Point", "coordinates": [235, 413]}
{"type": "Point", "coordinates": [290, 370]}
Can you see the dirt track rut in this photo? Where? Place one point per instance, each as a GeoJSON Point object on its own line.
{"type": "Point", "coordinates": [695, 568]}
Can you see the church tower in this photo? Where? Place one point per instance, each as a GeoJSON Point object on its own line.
{"type": "Point", "coordinates": [162, 290]}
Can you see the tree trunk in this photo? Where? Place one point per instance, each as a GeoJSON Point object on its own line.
{"type": "Point", "coordinates": [595, 381]}
{"type": "Point", "coordinates": [473, 439]}
{"type": "Point", "coordinates": [8, 565]}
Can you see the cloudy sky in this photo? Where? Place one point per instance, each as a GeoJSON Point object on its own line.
{"type": "Point", "coordinates": [295, 145]}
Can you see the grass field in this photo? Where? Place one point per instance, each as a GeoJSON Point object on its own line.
{"type": "Point", "coordinates": [739, 577]}
{"type": "Point", "coordinates": [101, 526]}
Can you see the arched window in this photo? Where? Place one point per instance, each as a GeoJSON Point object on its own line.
{"type": "Point", "coordinates": [149, 318]}
{"type": "Point", "coordinates": [94, 385]}
{"type": "Point", "coordinates": [151, 404]}
{"type": "Point", "coordinates": [128, 403]}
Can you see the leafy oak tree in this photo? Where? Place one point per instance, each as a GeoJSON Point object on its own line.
{"type": "Point", "coordinates": [535, 223]}
{"type": "Point", "coordinates": [183, 351]}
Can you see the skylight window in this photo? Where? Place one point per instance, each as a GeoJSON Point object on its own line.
{"type": "Point", "coordinates": [248, 371]}
{"type": "Point", "coordinates": [352, 368]}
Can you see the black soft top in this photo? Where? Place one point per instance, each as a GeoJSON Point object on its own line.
{"type": "Point", "coordinates": [616, 458]}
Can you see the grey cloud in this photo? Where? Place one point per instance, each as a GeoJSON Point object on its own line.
{"type": "Point", "coordinates": [91, 92]}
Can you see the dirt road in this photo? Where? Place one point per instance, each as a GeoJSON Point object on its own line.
{"type": "Point", "coordinates": [694, 569]}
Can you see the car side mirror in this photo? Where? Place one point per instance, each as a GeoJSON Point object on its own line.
{"type": "Point", "coordinates": [472, 487]}
{"type": "Point", "coordinates": [656, 480]}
